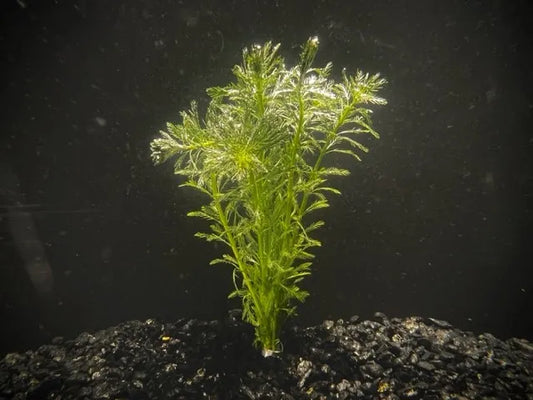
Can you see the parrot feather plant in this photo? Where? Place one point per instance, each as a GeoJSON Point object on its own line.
{"type": "Point", "coordinates": [258, 156]}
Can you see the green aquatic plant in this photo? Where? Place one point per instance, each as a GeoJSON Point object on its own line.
{"type": "Point", "coordinates": [258, 156]}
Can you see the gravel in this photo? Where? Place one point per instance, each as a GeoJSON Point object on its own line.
{"type": "Point", "coordinates": [381, 358]}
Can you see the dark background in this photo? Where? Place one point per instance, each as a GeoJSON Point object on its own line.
{"type": "Point", "coordinates": [436, 221]}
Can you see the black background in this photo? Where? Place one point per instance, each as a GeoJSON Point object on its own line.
{"type": "Point", "coordinates": [436, 221]}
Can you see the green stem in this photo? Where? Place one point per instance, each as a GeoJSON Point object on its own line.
{"type": "Point", "coordinates": [295, 149]}
{"type": "Point", "coordinates": [267, 329]}
{"type": "Point", "coordinates": [323, 151]}
{"type": "Point", "coordinates": [231, 240]}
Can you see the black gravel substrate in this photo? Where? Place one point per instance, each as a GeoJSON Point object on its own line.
{"type": "Point", "coordinates": [410, 358]}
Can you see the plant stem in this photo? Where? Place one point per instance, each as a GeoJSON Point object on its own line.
{"type": "Point", "coordinates": [231, 239]}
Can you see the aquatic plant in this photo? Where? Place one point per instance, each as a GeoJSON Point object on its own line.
{"type": "Point", "coordinates": [258, 156]}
